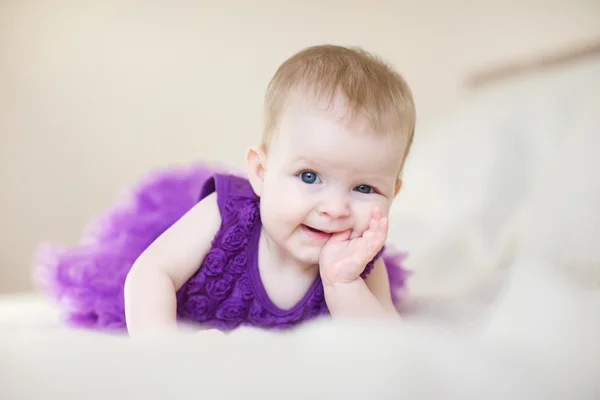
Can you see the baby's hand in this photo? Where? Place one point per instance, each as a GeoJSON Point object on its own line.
{"type": "Point", "coordinates": [342, 259]}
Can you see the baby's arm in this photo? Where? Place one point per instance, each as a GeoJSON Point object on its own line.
{"type": "Point", "coordinates": [150, 287]}
{"type": "Point", "coordinates": [378, 283]}
{"type": "Point", "coordinates": [367, 298]}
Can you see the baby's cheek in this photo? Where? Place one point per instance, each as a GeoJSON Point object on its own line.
{"type": "Point", "coordinates": [288, 210]}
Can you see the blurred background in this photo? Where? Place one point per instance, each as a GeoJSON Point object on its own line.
{"type": "Point", "coordinates": [95, 93]}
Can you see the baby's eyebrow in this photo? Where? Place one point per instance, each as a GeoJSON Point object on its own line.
{"type": "Point", "coordinates": [379, 178]}
{"type": "Point", "coordinates": [304, 159]}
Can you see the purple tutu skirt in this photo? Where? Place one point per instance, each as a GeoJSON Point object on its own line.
{"type": "Point", "coordinates": [86, 280]}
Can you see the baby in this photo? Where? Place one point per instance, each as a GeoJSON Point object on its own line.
{"type": "Point", "coordinates": [301, 236]}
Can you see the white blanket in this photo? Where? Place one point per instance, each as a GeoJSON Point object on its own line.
{"type": "Point", "coordinates": [501, 214]}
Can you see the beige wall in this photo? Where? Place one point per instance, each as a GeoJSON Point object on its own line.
{"type": "Point", "coordinates": [94, 93]}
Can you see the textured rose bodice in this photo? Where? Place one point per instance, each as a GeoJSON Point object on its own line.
{"type": "Point", "coordinates": [227, 291]}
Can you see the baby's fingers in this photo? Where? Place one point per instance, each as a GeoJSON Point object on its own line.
{"type": "Point", "coordinates": [378, 223]}
{"type": "Point", "coordinates": [375, 214]}
{"type": "Point", "coordinates": [379, 234]}
{"type": "Point", "coordinates": [383, 226]}
{"type": "Point", "coordinates": [374, 225]}
{"type": "Point", "coordinates": [374, 237]}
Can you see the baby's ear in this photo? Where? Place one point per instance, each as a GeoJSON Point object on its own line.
{"type": "Point", "coordinates": [255, 167]}
{"type": "Point", "coordinates": [398, 186]}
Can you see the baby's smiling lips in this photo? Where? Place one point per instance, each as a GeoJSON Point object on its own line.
{"type": "Point", "coordinates": [316, 233]}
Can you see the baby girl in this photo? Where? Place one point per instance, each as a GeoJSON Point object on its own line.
{"type": "Point", "coordinates": [301, 236]}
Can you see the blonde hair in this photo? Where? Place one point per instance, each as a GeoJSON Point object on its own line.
{"type": "Point", "coordinates": [368, 87]}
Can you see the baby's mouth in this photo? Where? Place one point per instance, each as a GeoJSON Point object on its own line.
{"type": "Point", "coordinates": [314, 229]}
{"type": "Point", "coordinates": [316, 233]}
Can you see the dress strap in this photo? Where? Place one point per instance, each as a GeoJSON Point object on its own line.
{"type": "Point", "coordinates": [234, 193]}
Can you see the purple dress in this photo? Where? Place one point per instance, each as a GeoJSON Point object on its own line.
{"type": "Point", "coordinates": [226, 292]}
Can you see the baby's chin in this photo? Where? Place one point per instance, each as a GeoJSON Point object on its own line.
{"type": "Point", "coordinates": [308, 256]}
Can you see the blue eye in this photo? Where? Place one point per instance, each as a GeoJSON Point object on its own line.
{"type": "Point", "coordinates": [309, 177]}
{"type": "Point", "coordinates": [364, 189]}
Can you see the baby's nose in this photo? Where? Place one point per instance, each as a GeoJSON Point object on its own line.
{"type": "Point", "coordinates": [335, 208]}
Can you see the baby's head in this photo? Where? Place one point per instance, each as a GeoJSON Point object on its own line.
{"type": "Point", "coordinates": [338, 127]}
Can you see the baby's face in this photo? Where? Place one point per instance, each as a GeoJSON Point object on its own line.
{"type": "Point", "coordinates": [324, 175]}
